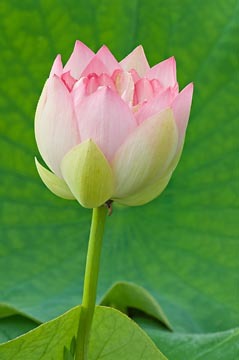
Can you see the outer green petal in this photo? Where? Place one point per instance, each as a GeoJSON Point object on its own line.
{"type": "Point", "coordinates": [145, 155]}
{"type": "Point", "coordinates": [147, 194]}
{"type": "Point", "coordinates": [88, 174]}
{"type": "Point", "coordinates": [54, 183]}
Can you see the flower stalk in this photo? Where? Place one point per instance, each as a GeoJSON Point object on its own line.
{"type": "Point", "coordinates": [90, 282]}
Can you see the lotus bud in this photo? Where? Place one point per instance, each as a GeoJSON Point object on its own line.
{"type": "Point", "coordinates": [110, 130]}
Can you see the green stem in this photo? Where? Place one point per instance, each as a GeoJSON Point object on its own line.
{"type": "Point", "coordinates": [90, 282]}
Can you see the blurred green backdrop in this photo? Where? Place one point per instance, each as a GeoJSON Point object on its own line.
{"type": "Point", "coordinates": [183, 247]}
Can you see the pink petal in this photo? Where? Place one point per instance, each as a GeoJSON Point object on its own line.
{"type": "Point", "coordinates": [154, 106]}
{"type": "Point", "coordinates": [181, 107]}
{"type": "Point", "coordinates": [68, 80]}
{"type": "Point", "coordinates": [143, 91]}
{"type": "Point", "coordinates": [92, 84]}
{"type": "Point", "coordinates": [55, 124]}
{"type": "Point", "coordinates": [165, 72]}
{"type": "Point", "coordinates": [94, 81]}
{"type": "Point", "coordinates": [106, 119]}
{"type": "Point", "coordinates": [124, 85]}
{"type": "Point", "coordinates": [57, 67]}
{"type": "Point", "coordinates": [79, 59]}
{"type": "Point", "coordinates": [135, 75]}
{"type": "Point", "coordinates": [136, 60]}
{"type": "Point", "coordinates": [107, 58]}
{"type": "Point", "coordinates": [95, 66]}
{"type": "Point", "coordinates": [105, 80]}
{"type": "Point", "coordinates": [157, 87]}
{"type": "Point", "coordinates": [79, 90]}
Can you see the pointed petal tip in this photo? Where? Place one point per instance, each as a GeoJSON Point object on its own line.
{"type": "Point", "coordinates": [140, 50]}
{"type": "Point", "coordinates": [79, 44]}
{"type": "Point", "coordinates": [105, 55]}
{"type": "Point", "coordinates": [58, 57]}
{"type": "Point", "coordinates": [169, 61]}
{"type": "Point", "coordinates": [57, 67]}
{"type": "Point", "coordinates": [188, 89]}
{"type": "Point", "coordinates": [181, 107]}
{"type": "Point", "coordinates": [55, 184]}
{"type": "Point", "coordinates": [103, 47]}
{"type": "Point", "coordinates": [173, 61]}
{"type": "Point", "coordinates": [165, 72]}
{"type": "Point", "coordinates": [79, 58]}
{"type": "Point", "coordinates": [136, 60]}
{"type": "Point", "coordinates": [139, 47]}
{"type": "Point", "coordinates": [191, 85]}
{"type": "Point", "coordinates": [104, 50]}
{"type": "Point", "coordinates": [95, 65]}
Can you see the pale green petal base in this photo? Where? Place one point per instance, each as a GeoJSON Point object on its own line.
{"type": "Point", "coordinates": [54, 183]}
{"type": "Point", "coordinates": [145, 155]}
{"type": "Point", "coordinates": [148, 194]}
{"type": "Point", "coordinates": [176, 159]}
{"type": "Point", "coordinates": [88, 174]}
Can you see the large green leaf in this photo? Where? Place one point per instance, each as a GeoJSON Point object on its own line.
{"type": "Point", "coordinates": [125, 296]}
{"type": "Point", "coordinates": [174, 345]}
{"type": "Point", "coordinates": [13, 326]}
{"type": "Point", "coordinates": [211, 346]}
{"type": "Point", "coordinates": [114, 337]}
{"type": "Point", "coordinates": [183, 247]}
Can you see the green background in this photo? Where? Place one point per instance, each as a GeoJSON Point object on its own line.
{"type": "Point", "coordinates": [183, 247]}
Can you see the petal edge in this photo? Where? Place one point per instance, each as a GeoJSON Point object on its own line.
{"type": "Point", "coordinates": [56, 185]}
{"type": "Point", "coordinates": [146, 195]}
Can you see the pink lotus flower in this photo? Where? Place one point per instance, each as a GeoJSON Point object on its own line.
{"type": "Point", "coordinates": [109, 129]}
